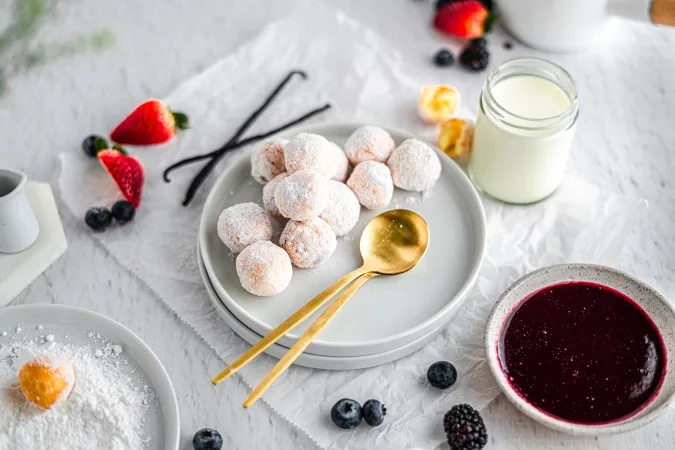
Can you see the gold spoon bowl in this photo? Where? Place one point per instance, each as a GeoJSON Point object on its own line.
{"type": "Point", "coordinates": [394, 242]}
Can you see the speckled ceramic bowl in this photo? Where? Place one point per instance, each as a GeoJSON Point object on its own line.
{"type": "Point", "coordinates": [653, 303]}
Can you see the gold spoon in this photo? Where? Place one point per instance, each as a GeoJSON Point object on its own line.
{"type": "Point", "coordinates": [392, 243]}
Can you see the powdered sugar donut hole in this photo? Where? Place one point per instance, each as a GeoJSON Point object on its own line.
{"type": "Point", "coordinates": [302, 195]}
{"type": "Point", "coordinates": [372, 184]}
{"type": "Point", "coordinates": [369, 143]}
{"type": "Point", "coordinates": [308, 243]}
{"type": "Point", "coordinates": [268, 198]}
{"type": "Point", "coordinates": [341, 162]}
{"type": "Point", "coordinates": [46, 381]}
{"type": "Point", "coordinates": [414, 166]}
{"type": "Point", "coordinates": [309, 151]}
{"type": "Point", "coordinates": [267, 160]}
{"type": "Point", "coordinates": [241, 225]}
{"type": "Point", "coordinates": [343, 209]}
{"type": "Point", "coordinates": [264, 269]}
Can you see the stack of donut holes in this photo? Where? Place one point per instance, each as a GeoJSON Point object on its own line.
{"type": "Point", "coordinates": [309, 190]}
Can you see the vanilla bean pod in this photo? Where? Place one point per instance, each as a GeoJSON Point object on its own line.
{"type": "Point", "coordinates": [206, 170]}
{"type": "Point", "coordinates": [242, 129]}
{"type": "Point", "coordinates": [236, 142]}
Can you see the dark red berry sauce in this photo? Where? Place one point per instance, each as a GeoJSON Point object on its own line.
{"type": "Point", "coordinates": [583, 352]}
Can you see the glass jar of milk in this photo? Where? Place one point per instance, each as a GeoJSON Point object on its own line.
{"type": "Point", "coordinates": [524, 130]}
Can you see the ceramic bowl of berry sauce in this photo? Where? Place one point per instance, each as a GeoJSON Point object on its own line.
{"type": "Point", "coordinates": [583, 349]}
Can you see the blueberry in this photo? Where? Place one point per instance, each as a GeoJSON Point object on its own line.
{"type": "Point", "coordinates": [98, 218]}
{"type": "Point", "coordinates": [442, 374]}
{"type": "Point", "coordinates": [207, 439]}
{"type": "Point", "coordinates": [93, 144]}
{"type": "Point", "coordinates": [443, 58]}
{"type": "Point", "coordinates": [123, 211]}
{"type": "Point", "coordinates": [374, 412]}
{"type": "Point", "coordinates": [479, 42]}
{"type": "Point", "coordinates": [346, 413]}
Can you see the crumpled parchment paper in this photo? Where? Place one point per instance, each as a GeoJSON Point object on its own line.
{"type": "Point", "coordinates": [365, 80]}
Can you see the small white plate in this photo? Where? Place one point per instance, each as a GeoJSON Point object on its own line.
{"type": "Point", "coordinates": [388, 312]}
{"type": "Point", "coordinates": [162, 419]}
{"type": "Point", "coordinates": [19, 270]}
{"type": "Point", "coordinates": [653, 303]}
{"type": "Point", "coordinates": [307, 359]}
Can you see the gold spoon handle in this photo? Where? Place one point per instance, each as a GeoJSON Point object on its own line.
{"type": "Point", "coordinates": [287, 325]}
{"type": "Point", "coordinates": [307, 338]}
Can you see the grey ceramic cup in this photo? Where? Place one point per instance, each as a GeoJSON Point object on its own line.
{"type": "Point", "coordinates": [19, 228]}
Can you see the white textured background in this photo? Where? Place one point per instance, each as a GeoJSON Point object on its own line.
{"type": "Point", "coordinates": [625, 143]}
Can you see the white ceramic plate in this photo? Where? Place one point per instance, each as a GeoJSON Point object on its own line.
{"type": "Point", "coordinates": [308, 359]}
{"type": "Point", "coordinates": [388, 312]}
{"type": "Point", "coordinates": [653, 303]}
{"type": "Point", "coordinates": [162, 419]}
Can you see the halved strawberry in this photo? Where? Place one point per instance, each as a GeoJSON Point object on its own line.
{"type": "Point", "coordinates": [150, 123]}
{"type": "Point", "coordinates": [126, 171]}
{"type": "Point", "coordinates": [467, 19]}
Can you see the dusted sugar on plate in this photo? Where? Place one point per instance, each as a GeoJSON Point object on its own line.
{"type": "Point", "coordinates": [369, 143]}
{"type": "Point", "coordinates": [241, 225]}
{"type": "Point", "coordinates": [343, 208]}
{"type": "Point", "coordinates": [302, 195]}
{"type": "Point", "coordinates": [372, 184]}
{"type": "Point", "coordinates": [267, 160]}
{"type": "Point", "coordinates": [414, 166]}
{"type": "Point", "coordinates": [264, 269]}
{"type": "Point", "coordinates": [308, 151]}
{"type": "Point", "coordinates": [102, 402]}
{"type": "Point", "coordinates": [308, 243]}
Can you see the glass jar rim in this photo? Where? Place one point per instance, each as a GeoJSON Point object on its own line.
{"type": "Point", "coordinates": [533, 67]}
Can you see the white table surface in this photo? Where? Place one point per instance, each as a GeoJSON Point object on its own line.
{"type": "Point", "coordinates": [625, 143]}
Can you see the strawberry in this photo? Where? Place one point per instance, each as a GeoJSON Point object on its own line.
{"type": "Point", "coordinates": [150, 123]}
{"type": "Point", "coordinates": [466, 19]}
{"type": "Point", "coordinates": [126, 171]}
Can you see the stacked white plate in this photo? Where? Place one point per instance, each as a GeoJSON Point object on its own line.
{"type": "Point", "coordinates": [390, 317]}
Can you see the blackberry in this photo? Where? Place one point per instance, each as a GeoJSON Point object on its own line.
{"type": "Point", "coordinates": [474, 58]}
{"type": "Point", "coordinates": [478, 42]}
{"type": "Point", "coordinates": [123, 211]}
{"type": "Point", "coordinates": [464, 428]}
{"type": "Point", "coordinates": [98, 218]}
{"type": "Point", "coordinates": [442, 375]}
{"type": "Point", "coordinates": [374, 412]}
{"type": "Point", "coordinates": [444, 58]}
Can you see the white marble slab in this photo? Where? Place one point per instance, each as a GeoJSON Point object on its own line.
{"type": "Point", "coordinates": [19, 270]}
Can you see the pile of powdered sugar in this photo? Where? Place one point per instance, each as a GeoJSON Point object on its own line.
{"type": "Point", "coordinates": [106, 409]}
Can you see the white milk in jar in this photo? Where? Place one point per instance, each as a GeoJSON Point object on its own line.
{"type": "Point", "coordinates": [524, 131]}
